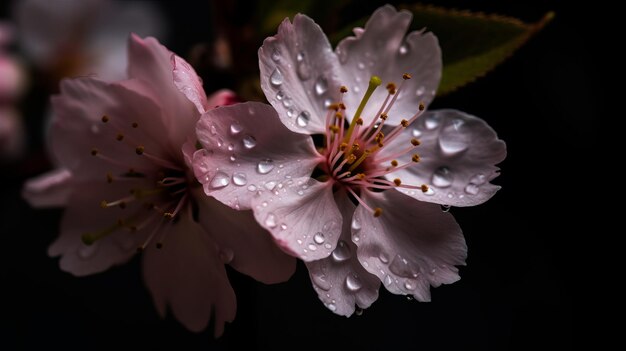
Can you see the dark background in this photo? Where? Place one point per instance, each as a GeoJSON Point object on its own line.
{"type": "Point", "coordinates": [516, 291]}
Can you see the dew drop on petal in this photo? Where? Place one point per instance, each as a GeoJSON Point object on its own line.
{"type": "Point", "coordinates": [341, 252]}
{"type": "Point", "coordinates": [327, 103]}
{"type": "Point", "coordinates": [453, 139]}
{"type": "Point", "coordinates": [87, 251]}
{"type": "Point", "coordinates": [270, 220]}
{"type": "Point", "coordinates": [319, 238]}
{"type": "Point", "coordinates": [416, 133]}
{"type": "Point", "coordinates": [290, 112]}
{"type": "Point", "coordinates": [321, 85]}
{"type": "Point", "coordinates": [265, 166]}
{"type": "Point", "coordinates": [356, 225]}
{"type": "Point", "coordinates": [303, 119]}
{"type": "Point", "coordinates": [353, 282]}
{"type": "Point", "coordinates": [445, 208]}
{"type": "Point", "coordinates": [287, 102]}
{"type": "Point", "coordinates": [432, 121]}
{"type": "Point", "coordinates": [231, 147]}
{"type": "Point", "coordinates": [402, 267]}
{"type": "Point", "coordinates": [312, 247]}
{"type": "Point", "coordinates": [429, 192]}
{"type": "Point", "coordinates": [235, 128]}
{"type": "Point", "coordinates": [361, 65]}
{"type": "Point", "coordinates": [240, 179]}
{"type": "Point", "coordinates": [442, 177]}
{"type": "Point", "coordinates": [276, 55]}
{"type": "Point", "coordinates": [213, 129]}
{"type": "Point", "coordinates": [277, 77]}
{"type": "Point", "coordinates": [420, 91]}
{"type": "Point", "coordinates": [383, 258]}
{"type": "Point", "coordinates": [410, 284]}
{"type": "Point", "coordinates": [472, 189]}
{"type": "Point", "coordinates": [321, 281]}
{"type": "Point", "coordinates": [478, 179]}
{"type": "Point", "coordinates": [232, 158]}
{"type": "Point", "coordinates": [388, 280]}
{"type": "Point", "coordinates": [332, 307]}
{"type": "Point", "coordinates": [403, 50]}
{"type": "Point", "coordinates": [280, 95]}
{"type": "Point", "coordinates": [251, 187]}
{"type": "Point", "coordinates": [220, 180]}
{"type": "Point", "coordinates": [248, 141]}
{"type": "Point", "coordinates": [303, 69]}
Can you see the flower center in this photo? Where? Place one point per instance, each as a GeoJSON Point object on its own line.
{"type": "Point", "coordinates": [353, 151]}
{"type": "Point", "coordinates": [158, 189]}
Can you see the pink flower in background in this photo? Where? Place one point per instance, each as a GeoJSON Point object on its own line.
{"type": "Point", "coordinates": [363, 207]}
{"type": "Point", "coordinates": [127, 184]}
{"type": "Point", "coordinates": [84, 37]}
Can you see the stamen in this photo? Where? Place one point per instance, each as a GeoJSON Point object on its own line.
{"type": "Point", "coordinates": [139, 150]}
{"type": "Point", "coordinates": [378, 211]}
{"type": "Point", "coordinates": [391, 88]}
{"type": "Point", "coordinates": [415, 158]}
{"type": "Point", "coordinates": [397, 181]}
{"type": "Point", "coordinates": [105, 119]}
{"type": "Point", "coordinates": [343, 89]}
{"type": "Point", "coordinates": [394, 163]}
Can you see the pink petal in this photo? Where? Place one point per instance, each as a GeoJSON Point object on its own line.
{"type": "Point", "coordinates": [339, 280]}
{"type": "Point", "coordinates": [382, 49]}
{"type": "Point", "coordinates": [458, 155]}
{"type": "Point", "coordinates": [248, 150]}
{"type": "Point", "coordinates": [77, 128]}
{"type": "Point", "coordinates": [223, 97]}
{"type": "Point", "coordinates": [411, 246]}
{"type": "Point", "coordinates": [245, 245]}
{"type": "Point", "coordinates": [151, 62]}
{"type": "Point", "coordinates": [187, 275]}
{"type": "Point", "coordinates": [14, 80]}
{"type": "Point", "coordinates": [49, 190]}
{"type": "Point", "coordinates": [299, 74]}
{"type": "Point", "coordinates": [188, 82]}
{"type": "Point", "coordinates": [83, 215]}
{"type": "Point", "coordinates": [12, 134]}
{"type": "Point", "coordinates": [302, 216]}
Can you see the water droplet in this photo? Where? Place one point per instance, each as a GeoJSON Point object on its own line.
{"type": "Point", "coordinates": [321, 85]}
{"type": "Point", "coordinates": [356, 89]}
{"type": "Point", "coordinates": [249, 141]}
{"type": "Point", "coordinates": [303, 119]}
{"type": "Point", "coordinates": [213, 129]}
{"type": "Point", "coordinates": [420, 91]}
{"type": "Point", "coordinates": [410, 284]}
{"type": "Point", "coordinates": [270, 185]}
{"type": "Point", "coordinates": [276, 55]}
{"type": "Point", "coordinates": [445, 208]}
{"type": "Point", "coordinates": [402, 267]}
{"type": "Point", "coordinates": [321, 281]}
{"type": "Point", "coordinates": [270, 220]}
{"type": "Point", "coordinates": [290, 112]}
{"type": "Point", "coordinates": [283, 226]}
{"type": "Point", "coordinates": [453, 139]}
{"type": "Point", "coordinates": [478, 179]}
{"type": "Point", "coordinates": [220, 180]}
{"type": "Point", "coordinates": [312, 247]}
{"type": "Point", "coordinates": [353, 282]}
{"type": "Point", "coordinates": [276, 78]}
{"type": "Point", "coordinates": [358, 311]}
{"type": "Point", "coordinates": [472, 189]}
{"type": "Point", "coordinates": [233, 158]}
{"type": "Point", "coordinates": [388, 280]}
{"type": "Point", "coordinates": [356, 225]}
{"type": "Point", "coordinates": [251, 187]}
{"type": "Point", "coordinates": [288, 102]}
{"type": "Point", "coordinates": [87, 251]}
{"type": "Point", "coordinates": [341, 252]}
{"type": "Point", "coordinates": [442, 177]}
{"type": "Point", "coordinates": [280, 95]}
{"type": "Point", "coordinates": [227, 255]}
{"type": "Point", "coordinates": [328, 246]}
{"type": "Point", "coordinates": [432, 121]}
{"type": "Point", "coordinates": [219, 142]}
{"type": "Point", "coordinates": [429, 192]}
{"type": "Point", "coordinates": [235, 128]}
{"type": "Point", "coordinates": [332, 307]}
{"type": "Point", "coordinates": [403, 49]}
{"type": "Point", "coordinates": [240, 179]}
{"type": "Point", "coordinates": [416, 133]}
{"type": "Point", "coordinates": [303, 69]}
{"type": "Point", "coordinates": [319, 238]}
{"type": "Point", "coordinates": [231, 147]}
{"type": "Point", "coordinates": [383, 258]}
{"type": "Point", "coordinates": [327, 103]}
{"type": "Point", "coordinates": [361, 65]}
{"type": "Point", "coordinates": [265, 166]}
{"type": "Point", "coordinates": [95, 129]}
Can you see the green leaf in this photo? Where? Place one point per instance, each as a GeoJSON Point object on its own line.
{"type": "Point", "coordinates": [472, 44]}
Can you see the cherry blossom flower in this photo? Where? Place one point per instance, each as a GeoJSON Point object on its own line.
{"type": "Point", "coordinates": [359, 201]}
{"type": "Point", "coordinates": [127, 184]}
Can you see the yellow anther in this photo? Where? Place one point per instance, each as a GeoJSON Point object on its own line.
{"type": "Point", "coordinates": [343, 89]}
{"type": "Point", "coordinates": [404, 123]}
{"type": "Point", "coordinates": [422, 106]}
{"type": "Point", "coordinates": [339, 115]}
{"type": "Point", "coordinates": [424, 188]}
{"type": "Point", "coordinates": [378, 211]}
{"type": "Point", "coordinates": [342, 106]}
{"type": "Point", "coordinates": [334, 128]}
{"type": "Point", "coordinates": [355, 147]}
{"type": "Point", "coordinates": [359, 121]}
{"type": "Point", "coordinates": [94, 152]}
{"type": "Point", "coordinates": [397, 181]}
{"type": "Point", "coordinates": [383, 116]}
{"type": "Point", "coordinates": [351, 159]}
{"type": "Point", "coordinates": [391, 88]}
{"type": "Point", "coordinates": [119, 137]}
{"type": "Point", "coordinates": [139, 150]}
{"type": "Point", "coordinates": [360, 176]}
{"type": "Point", "coordinates": [415, 142]}
{"type": "Point", "coordinates": [394, 163]}
{"type": "Point", "coordinates": [333, 106]}
{"type": "Point", "coordinates": [168, 215]}
{"type": "Point", "coordinates": [104, 204]}
{"type": "Point", "coordinates": [343, 146]}
{"type": "Point", "coordinates": [415, 158]}
{"type": "Point", "coordinates": [406, 76]}
{"type": "Point", "coordinates": [105, 119]}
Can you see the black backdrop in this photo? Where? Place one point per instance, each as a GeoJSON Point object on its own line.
{"type": "Point", "coordinates": [516, 291]}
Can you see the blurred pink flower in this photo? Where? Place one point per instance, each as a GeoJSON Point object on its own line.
{"type": "Point", "coordinates": [84, 37]}
{"type": "Point", "coordinates": [363, 208]}
{"type": "Point", "coordinates": [126, 183]}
